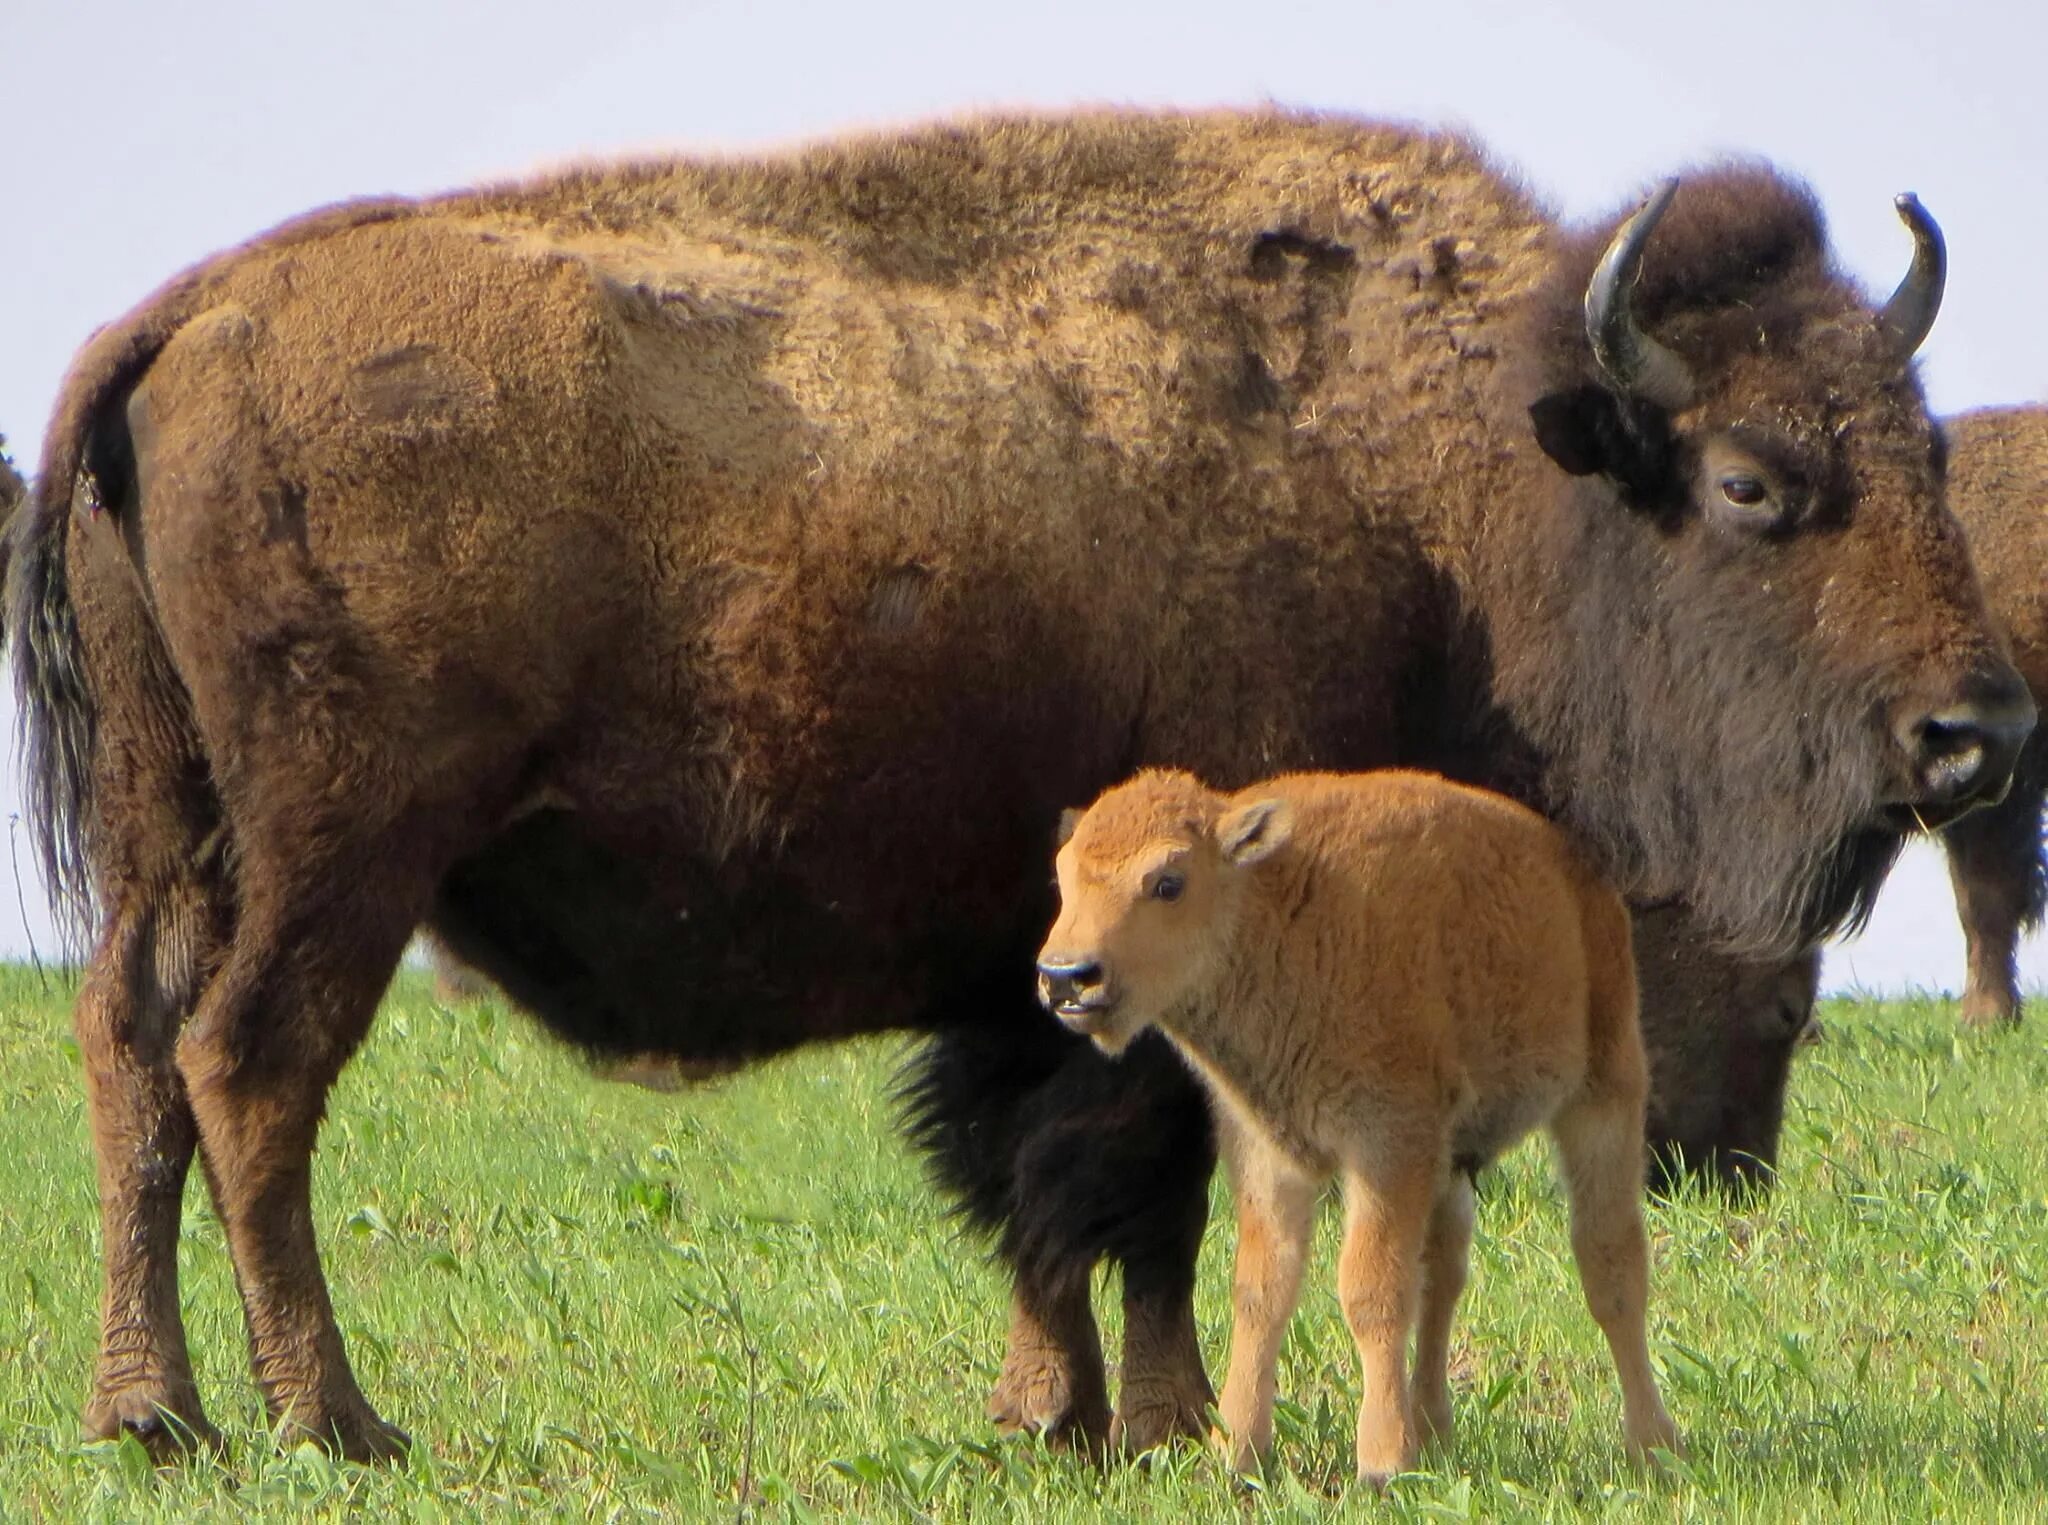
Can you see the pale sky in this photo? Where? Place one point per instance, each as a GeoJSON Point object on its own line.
{"type": "Point", "coordinates": [142, 135]}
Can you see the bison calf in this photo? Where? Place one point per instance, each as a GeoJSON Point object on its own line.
{"type": "Point", "coordinates": [1386, 977]}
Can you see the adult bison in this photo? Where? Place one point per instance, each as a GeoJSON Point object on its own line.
{"type": "Point", "coordinates": [1722, 1032]}
{"type": "Point", "coordinates": [1998, 484]}
{"type": "Point", "coordinates": [694, 589]}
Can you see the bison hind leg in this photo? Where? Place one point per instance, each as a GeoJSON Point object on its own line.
{"type": "Point", "coordinates": [137, 993]}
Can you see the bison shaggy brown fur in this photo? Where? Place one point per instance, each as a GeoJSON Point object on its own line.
{"type": "Point", "coordinates": [1722, 1032]}
{"type": "Point", "coordinates": [1389, 979]}
{"type": "Point", "coordinates": [1998, 486]}
{"type": "Point", "coordinates": [693, 589]}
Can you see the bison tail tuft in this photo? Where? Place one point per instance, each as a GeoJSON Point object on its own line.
{"type": "Point", "coordinates": [57, 712]}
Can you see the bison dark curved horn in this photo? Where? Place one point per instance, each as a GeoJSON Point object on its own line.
{"type": "Point", "coordinates": [1910, 312]}
{"type": "Point", "coordinates": [1637, 364]}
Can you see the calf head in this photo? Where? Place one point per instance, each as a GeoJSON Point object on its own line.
{"type": "Point", "coordinates": [1150, 879]}
{"type": "Point", "coordinates": [1748, 642]}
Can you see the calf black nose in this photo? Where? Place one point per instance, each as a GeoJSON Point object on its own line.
{"type": "Point", "coordinates": [1963, 754]}
{"type": "Point", "coordinates": [1067, 979]}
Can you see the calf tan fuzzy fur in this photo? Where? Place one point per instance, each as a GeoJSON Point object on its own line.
{"type": "Point", "coordinates": [1388, 978]}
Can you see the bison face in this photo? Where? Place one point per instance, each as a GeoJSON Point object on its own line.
{"type": "Point", "coordinates": [1149, 880]}
{"type": "Point", "coordinates": [1780, 660]}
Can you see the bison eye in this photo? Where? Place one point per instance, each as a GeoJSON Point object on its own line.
{"type": "Point", "coordinates": [1168, 887]}
{"type": "Point", "coordinates": [1745, 492]}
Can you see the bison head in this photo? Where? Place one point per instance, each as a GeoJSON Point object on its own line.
{"type": "Point", "coordinates": [1779, 660]}
{"type": "Point", "coordinates": [1721, 1035]}
{"type": "Point", "coordinates": [1150, 879]}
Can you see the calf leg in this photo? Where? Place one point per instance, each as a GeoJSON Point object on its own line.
{"type": "Point", "coordinates": [1388, 1207]}
{"type": "Point", "coordinates": [1994, 862]}
{"type": "Point", "coordinates": [1445, 1256]}
{"type": "Point", "coordinates": [1600, 1146]}
{"type": "Point", "coordinates": [1275, 1214]}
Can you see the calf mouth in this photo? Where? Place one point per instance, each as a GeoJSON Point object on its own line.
{"type": "Point", "coordinates": [1089, 1018]}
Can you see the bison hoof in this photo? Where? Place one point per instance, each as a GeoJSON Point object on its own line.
{"type": "Point", "coordinates": [1036, 1395]}
{"type": "Point", "coordinates": [1984, 1009]}
{"type": "Point", "coordinates": [353, 1432]}
{"type": "Point", "coordinates": [1153, 1416]}
{"type": "Point", "coordinates": [170, 1426]}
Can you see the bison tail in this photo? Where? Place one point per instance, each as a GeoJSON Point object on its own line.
{"type": "Point", "coordinates": [56, 704]}
{"type": "Point", "coordinates": [87, 451]}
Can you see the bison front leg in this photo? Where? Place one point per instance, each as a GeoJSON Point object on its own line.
{"type": "Point", "coordinates": [1445, 1262]}
{"type": "Point", "coordinates": [1052, 1381]}
{"type": "Point", "coordinates": [1276, 1206]}
{"type": "Point", "coordinates": [1994, 862]}
{"type": "Point", "coordinates": [1071, 1159]}
{"type": "Point", "coordinates": [1165, 1393]}
{"type": "Point", "coordinates": [1388, 1204]}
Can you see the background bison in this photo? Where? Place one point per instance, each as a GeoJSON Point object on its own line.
{"type": "Point", "coordinates": [695, 588]}
{"type": "Point", "coordinates": [1998, 486]}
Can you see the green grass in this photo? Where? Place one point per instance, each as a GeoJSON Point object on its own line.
{"type": "Point", "coordinates": [582, 1298]}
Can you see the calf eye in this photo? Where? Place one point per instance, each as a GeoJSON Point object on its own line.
{"type": "Point", "coordinates": [1744, 492]}
{"type": "Point", "coordinates": [1167, 887]}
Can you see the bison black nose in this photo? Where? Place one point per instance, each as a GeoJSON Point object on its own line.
{"type": "Point", "coordinates": [1069, 982]}
{"type": "Point", "coordinates": [1963, 754]}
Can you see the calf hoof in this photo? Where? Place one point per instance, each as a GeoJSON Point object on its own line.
{"type": "Point", "coordinates": [1244, 1457]}
{"type": "Point", "coordinates": [1155, 1415]}
{"type": "Point", "coordinates": [1983, 1009]}
{"type": "Point", "coordinates": [1036, 1395]}
{"type": "Point", "coordinates": [1643, 1447]}
{"type": "Point", "coordinates": [1433, 1419]}
{"type": "Point", "coordinates": [170, 1424]}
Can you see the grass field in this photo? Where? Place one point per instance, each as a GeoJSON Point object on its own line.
{"type": "Point", "coordinates": [592, 1302]}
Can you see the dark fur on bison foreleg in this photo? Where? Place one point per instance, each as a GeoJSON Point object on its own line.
{"type": "Point", "coordinates": [1994, 862]}
{"type": "Point", "coordinates": [1068, 1159]}
{"type": "Point", "coordinates": [1165, 1392]}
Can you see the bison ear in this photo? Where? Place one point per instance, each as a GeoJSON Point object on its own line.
{"type": "Point", "coordinates": [1064, 833]}
{"type": "Point", "coordinates": [1590, 430]}
{"type": "Point", "coordinates": [1577, 429]}
{"type": "Point", "coordinates": [1253, 833]}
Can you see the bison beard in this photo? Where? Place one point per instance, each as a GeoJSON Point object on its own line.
{"type": "Point", "coordinates": [1766, 872]}
{"type": "Point", "coordinates": [696, 589]}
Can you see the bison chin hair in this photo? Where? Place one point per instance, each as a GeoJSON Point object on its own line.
{"type": "Point", "coordinates": [1711, 768]}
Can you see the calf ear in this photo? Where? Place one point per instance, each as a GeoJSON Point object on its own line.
{"type": "Point", "coordinates": [1064, 833]}
{"type": "Point", "coordinates": [1252, 833]}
